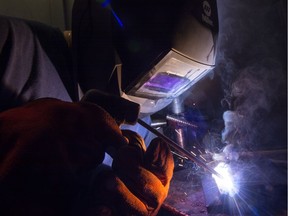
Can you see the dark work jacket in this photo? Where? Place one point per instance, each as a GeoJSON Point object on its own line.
{"type": "Point", "coordinates": [35, 62]}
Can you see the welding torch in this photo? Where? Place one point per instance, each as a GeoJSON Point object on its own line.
{"type": "Point", "coordinates": [125, 111]}
{"type": "Point", "coordinates": [178, 148]}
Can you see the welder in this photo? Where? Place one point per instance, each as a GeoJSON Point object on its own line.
{"type": "Point", "coordinates": [51, 147]}
{"type": "Point", "coordinates": [52, 144]}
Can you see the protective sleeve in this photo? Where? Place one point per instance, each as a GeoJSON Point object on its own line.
{"type": "Point", "coordinates": [29, 68]}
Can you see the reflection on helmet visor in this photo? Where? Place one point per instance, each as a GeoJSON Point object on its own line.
{"type": "Point", "coordinates": [165, 82]}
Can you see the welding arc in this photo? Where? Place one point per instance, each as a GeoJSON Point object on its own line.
{"type": "Point", "coordinates": [178, 148]}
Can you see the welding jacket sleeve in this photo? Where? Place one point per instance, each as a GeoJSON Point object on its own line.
{"type": "Point", "coordinates": [51, 149]}
{"type": "Point", "coordinates": [35, 62]}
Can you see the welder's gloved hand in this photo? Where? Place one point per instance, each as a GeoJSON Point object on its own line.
{"type": "Point", "coordinates": [47, 147]}
{"type": "Point", "coordinates": [138, 182]}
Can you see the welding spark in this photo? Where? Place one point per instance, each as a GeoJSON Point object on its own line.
{"type": "Point", "coordinates": [193, 153]}
{"type": "Point", "coordinates": [203, 158]}
{"type": "Point", "coordinates": [226, 184]}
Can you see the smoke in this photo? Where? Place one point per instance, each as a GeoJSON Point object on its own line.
{"type": "Point", "coordinates": [251, 61]}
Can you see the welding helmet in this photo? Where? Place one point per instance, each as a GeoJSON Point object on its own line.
{"type": "Point", "coordinates": [162, 47]}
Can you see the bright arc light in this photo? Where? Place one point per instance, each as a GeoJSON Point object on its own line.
{"type": "Point", "coordinates": [226, 185]}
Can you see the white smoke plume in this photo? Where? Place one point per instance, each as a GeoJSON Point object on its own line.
{"type": "Point", "coordinates": [252, 64]}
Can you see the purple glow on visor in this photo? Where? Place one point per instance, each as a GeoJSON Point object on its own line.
{"type": "Point", "coordinates": [165, 82]}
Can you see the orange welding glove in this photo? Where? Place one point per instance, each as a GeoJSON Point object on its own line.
{"type": "Point", "coordinates": [138, 182]}
{"type": "Point", "coordinates": [47, 147]}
